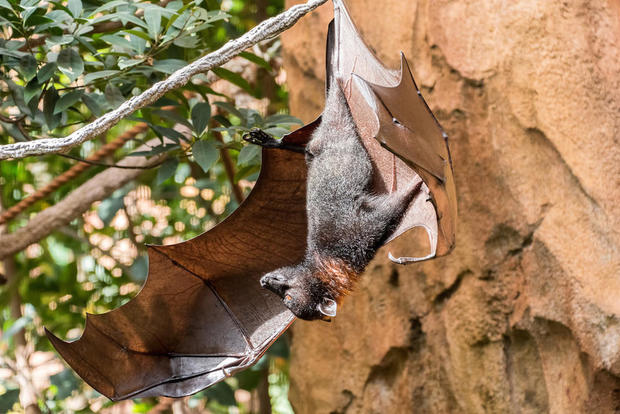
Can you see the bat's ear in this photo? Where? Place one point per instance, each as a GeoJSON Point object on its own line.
{"type": "Point", "coordinates": [328, 307]}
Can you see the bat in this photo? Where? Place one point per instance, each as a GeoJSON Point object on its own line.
{"type": "Point", "coordinates": [347, 220]}
{"type": "Point", "coordinates": [202, 314]}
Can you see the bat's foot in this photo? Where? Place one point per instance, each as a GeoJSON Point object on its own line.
{"type": "Point", "coordinates": [259, 137]}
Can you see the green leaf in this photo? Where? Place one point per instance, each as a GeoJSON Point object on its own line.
{"type": "Point", "coordinates": [113, 95]}
{"type": "Point", "coordinates": [58, 40]}
{"type": "Point", "coordinates": [28, 67]}
{"type": "Point", "coordinates": [177, 14]}
{"type": "Point", "coordinates": [229, 108]}
{"type": "Point", "coordinates": [49, 103]}
{"type": "Point", "coordinates": [70, 63]}
{"type": "Point", "coordinates": [256, 59]}
{"type": "Point", "coordinates": [60, 13]}
{"type": "Point", "coordinates": [38, 20]}
{"type": "Point", "coordinates": [173, 116]}
{"type": "Point", "coordinates": [6, 22]}
{"type": "Point", "coordinates": [92, 104]}
{"type": "Point", "coordinates": [248, 154]}
{"type": "Point", "coordinates": [222, 120]}
{"type": "Point", "coordinates": [14, 132]}
{"type": "Point", "coordinates": [5, 4]}
{"type": "Point", "coordinates": [201, 112]}
{"type": "Point", "coordinates": [13, 53]}
{"type": "Point", "coordinates": [152, 16]}
{"type": "Point", "coordinates": [75, 7]}
{"type": "Point", "coordinates": [98, 75]}
{"type": "Point", "coordinates": [127, 63]}
{"type": "Point", "coordinates": [233, 78]}
{"type": "Point", "coordinates": [107, 6]}
{"type": "Point", "coordinates": [138, 33]}
{"type": "Point", "coordinates": [186, 42]}
{"type": "Point", "coordinates": [46, 72]}
{"type": "Point", "coordinates": [166, 170]}
{"type": "Point", "coordinates": [18, 95]}
{"type": "Point", "coordinates": [138, 44]}
{"type": "Point", "coordinates": [31, 90]}
{"type": "Point", "coordinates": [282, 119]}
{"type": "Point", "coordinates": [215, 15]}
{"type": "Point", "coordinates": [174, 135]}
{"type": "Point", "coordinates": [129, 17]}
{"type": "Point", "coordinates": [27, 12]}
{"type": "Point", "coordinates": [118, 41]}
{"type": "Point", "coordinates": [67, 100]}
{"type": "Point", "coordinates": [205, 153]}
{"type": "Point", "coordinates": [86, 42]}
{"type": "Point", "coordinates": [169, 65]}
{"type": "Point", "coordinates": [277, 131]}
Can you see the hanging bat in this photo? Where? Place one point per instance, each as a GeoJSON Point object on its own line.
{"type": "Point", "coordinates": [202, 314]}
{"type": "Point", "coordinates": [347, 220]}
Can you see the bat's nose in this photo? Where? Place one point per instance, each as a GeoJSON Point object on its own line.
{"type": "Point", "coordinates": [273, 283]}
{"type": "Point", "coordinates": [269, 282]}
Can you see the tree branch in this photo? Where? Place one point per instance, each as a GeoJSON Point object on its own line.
{"type": "Point", "coordinates": [73, 172]}
{"type": "Point", "coordinates": [266, 29]}
{"type": "Point", "coordinates": [78, 201]}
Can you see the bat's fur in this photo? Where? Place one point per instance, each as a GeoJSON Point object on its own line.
{"type": "Point", "coordinates": [347, 223]}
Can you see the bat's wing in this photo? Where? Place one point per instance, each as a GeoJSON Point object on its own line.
{"type": "Point", "coordinates": [402, 136]}
{"type": "Point", "coordinates": [202, 314]}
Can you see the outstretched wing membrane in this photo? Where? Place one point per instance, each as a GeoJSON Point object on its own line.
{"type": "Point", "coordinates": [202, 315]}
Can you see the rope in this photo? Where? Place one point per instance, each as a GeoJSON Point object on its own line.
{"type": "Point", "coordinates": [73, 172]}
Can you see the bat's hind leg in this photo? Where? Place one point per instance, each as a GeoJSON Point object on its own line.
{"type": "Point", "coordinates": [386, 211]}
{"type": "Point", "coordinates": [259, 137]}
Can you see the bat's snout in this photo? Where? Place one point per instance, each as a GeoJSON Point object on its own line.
{"type": "Point", "coordinates": [274, 282]}
{"type": "Point", "coordinates": [264, 281]}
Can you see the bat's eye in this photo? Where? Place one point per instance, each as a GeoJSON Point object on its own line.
{"type": "Point", "coordinates": [288, 297]}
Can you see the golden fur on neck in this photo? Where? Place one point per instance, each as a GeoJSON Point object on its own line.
{"type": "Point", "coordinates": [337, 277]}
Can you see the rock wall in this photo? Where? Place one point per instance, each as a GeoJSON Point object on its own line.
{"type": "Point", "coordinates": [524, 315]}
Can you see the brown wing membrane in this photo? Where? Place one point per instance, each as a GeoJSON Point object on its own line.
{"type": "Point", "coordinates": [402, 136]}
{"type": "Point", "coordinates": [202, 315]}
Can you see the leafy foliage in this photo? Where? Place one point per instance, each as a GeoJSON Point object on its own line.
{"type": "Point", "coordinates": [62, 64]}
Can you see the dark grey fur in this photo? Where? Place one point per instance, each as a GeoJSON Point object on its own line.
{"type": "Point", "coordinates": [346, 221]}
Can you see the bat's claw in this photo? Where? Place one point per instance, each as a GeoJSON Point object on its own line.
{"type": "Point", "coordinates": [408, 260]}
{"type": "Point", "coordinates": [259, 137]}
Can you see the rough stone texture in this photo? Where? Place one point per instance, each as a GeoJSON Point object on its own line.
{"type": "Point", "coordinates": [524, 315]}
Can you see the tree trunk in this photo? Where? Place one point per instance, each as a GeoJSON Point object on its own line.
{"type": "Point", "coordinates": [524, 315]}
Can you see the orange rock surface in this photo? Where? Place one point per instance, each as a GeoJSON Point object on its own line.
{"type": "Point", "coordinates": [524, 315]}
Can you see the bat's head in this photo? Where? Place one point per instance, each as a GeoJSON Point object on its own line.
{"type": "Point", "coordinates": [301, 292]}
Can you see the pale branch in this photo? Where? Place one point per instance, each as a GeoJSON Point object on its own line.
{"type": "Point", "coordinates": [78, 201]}
{"type": "Point", "coordinates": [265, 30]}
